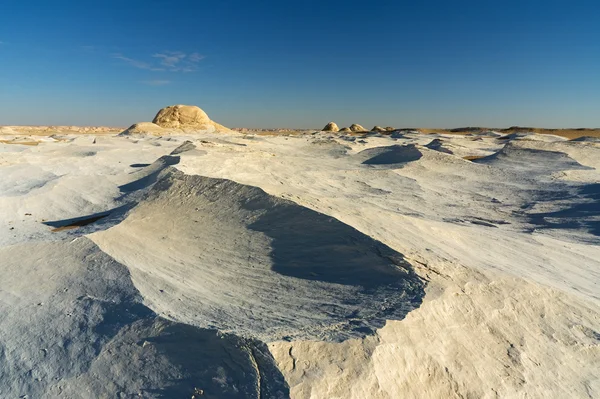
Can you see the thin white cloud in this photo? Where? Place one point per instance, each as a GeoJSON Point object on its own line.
{"type": "Point", "coordinates": [196, 57]}
{"type": "Point", "coordinates": [156, 82]}
{"type": "Point", "coordinates": [136, 63]}
{"type": "Point", "coordinates": [172, 61]}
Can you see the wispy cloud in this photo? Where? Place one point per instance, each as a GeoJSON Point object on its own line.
{"type": "Point", "coordinates": [171, 61]}
{"type": "Point", "coordinates": [156, 82]}
{"type": "Point", "coordinates": [137, 63]}
{"type": "Point", "coordinates": [196, 57]}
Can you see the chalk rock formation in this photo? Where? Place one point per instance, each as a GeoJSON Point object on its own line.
{"type": "Point", "coordinates": [378, 129]}
{"type": "Point", "coordinates": [186, 117]}
{"type": "Point", "coordinates": [331, 127]}
{"type": "Point", "coordinates": [357, 128]}
{"type": "Point", "coordinates": [345, 129]}
{"type": "Point", "coordinates": [177, 118]}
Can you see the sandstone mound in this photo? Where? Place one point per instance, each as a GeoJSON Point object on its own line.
{"type": "Point", "coordinates": [345, 129]}
{"type": "Point", "coordinates": [186, 118]}
{"type": "Point", "coordinates": [357, 128]}
{"type": "Point", "coordinates": [180, 116]}
{"type": "Point", "coordinates": [378, 129]}
{"type": "Point", "coordinates": [331, 127]}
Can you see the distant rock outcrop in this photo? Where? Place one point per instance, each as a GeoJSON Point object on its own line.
{"type": "Point", "coordinates": [7, 130]}
{"type": "Point", "coordinates": [345, 129]}
{"type": "Point", "coordinates": [186, 117]}
{"type": "Point", "coordinates": [357, 128]}
{"type": "Point", "coordinates": [177, 118]}
{"type": "Point", "coordinates": [331, 127]}
{"type": "Point", "coordinates": [378, 129]}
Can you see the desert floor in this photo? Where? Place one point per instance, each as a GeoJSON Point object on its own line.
{"type": "Point", "coordinates": [403, 265]}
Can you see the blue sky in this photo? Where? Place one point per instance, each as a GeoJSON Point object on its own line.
{"type": "Point", "coordinates": [302, 63]}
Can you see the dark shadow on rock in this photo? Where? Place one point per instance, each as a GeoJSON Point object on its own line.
{"type": "Point", "coordinates": [587, 139]}
{"type": "Point", "coordinates": [330, 147]}
{"type": "Point", "coordinates": [312, 246]}
{"type": "Point", "coordinates": [582, 212]}
{"type": "Point", "coordinates": [132, 192]}
{"type": "Point", "coordinates": [186, 146]}
{"type": "Point", "coordinates": [148, 175]}
{"type": "Point", "coordinates": [390, 156]}
{"type": "Point", "coordinates": [215, 365]}
{"type": "Point", "coordinates": [575, 207]}
{"type": "Point", "coordinates": [136, 352]}
{"type": "Point", "coordinates": [108, 344]}
{"type": "Point", "coordinates": [81, 221]}
{"type": "Point", "coordinates": [400, 134]}
{"type": "Point", "coordinates": [438, 145]}
{"type": "Point", "coordinates": [530, 161]}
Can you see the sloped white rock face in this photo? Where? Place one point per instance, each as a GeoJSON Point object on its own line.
{"type": "Point", "coordinates": [245, 262]}
{"type": "Point", "coordinates": [74, 326]}
{"type": "Point", "coordinates": [144, 128]}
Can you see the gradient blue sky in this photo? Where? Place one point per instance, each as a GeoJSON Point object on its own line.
{"type": "Point", "coordinates": [302, 63]}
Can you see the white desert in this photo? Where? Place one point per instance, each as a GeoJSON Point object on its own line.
{"type": "Point", "coordinates": [180, 259]}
